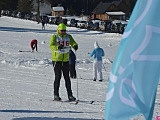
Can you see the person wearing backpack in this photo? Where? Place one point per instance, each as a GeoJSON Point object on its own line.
{"type": "Point", "coordinates": [97, 54]}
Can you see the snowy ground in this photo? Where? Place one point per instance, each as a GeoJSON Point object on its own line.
{"type": "Point", "coordinates": [26, 79]}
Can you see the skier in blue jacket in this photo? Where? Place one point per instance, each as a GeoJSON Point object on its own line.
{"type": "Point", "coordinates": [97, 54]}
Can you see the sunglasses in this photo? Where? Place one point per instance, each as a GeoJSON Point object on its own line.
{"type": "Point", "coordinates": [63, 30]}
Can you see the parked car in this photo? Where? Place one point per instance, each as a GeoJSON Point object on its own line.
{"type": "Point", "coordinates": [118, 26]}
{"type": "Point", "coordinates": [102, 26]}
{"type": "Point", "coordinates": [69, 22]}
{"type": "Point", "coordinates": [72, 23]}
{"type": "Point", "coordinates": [123, 26]}
{"type": "Point", "coordinates": [95, 26]}
{"type": "Point", "coordinates": [88, 24]}
{"type": "Point", "coordinates": [105, 25]}
{"type": "Point", "coordinates": [51, 19]}
{"type": "Point", "coordinates": [54, 19]}
{"type": "Point", "coordinates": [63, 20]}
{"type": "Point", "coordinates": [81, 24]}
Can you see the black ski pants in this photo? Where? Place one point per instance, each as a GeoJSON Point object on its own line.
{"type": "Point", "coordinates": [59, 68]}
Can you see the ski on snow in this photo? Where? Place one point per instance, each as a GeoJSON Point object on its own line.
{"type": "Point", "coordinates": [24, 51]}
{"type": "Point", "coordinates": [76, 102]}
{"type": "Point", "coordinates": [72, 102]}
{"type": "Point", "coordinates": [67, 101]}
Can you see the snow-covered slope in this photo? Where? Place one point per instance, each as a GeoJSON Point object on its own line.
{"type": "Point", "coordinates": [26, 79]}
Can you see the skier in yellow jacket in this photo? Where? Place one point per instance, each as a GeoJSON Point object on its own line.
{"type": "Point", "coordinates": [60, 44]}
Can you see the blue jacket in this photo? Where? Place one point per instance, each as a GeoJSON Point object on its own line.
{"type": "Point", "coordinates": [72, 57]}
{"type": "Point", "coordinates": [97, 54]}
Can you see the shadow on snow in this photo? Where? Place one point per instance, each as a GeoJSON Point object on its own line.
{"type": "Point", "coordinates": [44, 118]}
{"type": "Point", "coordinates": [14, 29]}
{"type": "Point", "coordinates": [38, 111]}
{"type": "Point", "coordinates": [48, 118]}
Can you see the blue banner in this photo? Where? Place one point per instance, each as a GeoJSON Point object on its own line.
{"type": "Point", "coordinates": [136, 68]}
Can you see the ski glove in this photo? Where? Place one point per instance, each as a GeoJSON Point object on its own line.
{"type": "Point", "coordinates": [60, 47]}
{"type": "Point", "coordinates": [75, 47]}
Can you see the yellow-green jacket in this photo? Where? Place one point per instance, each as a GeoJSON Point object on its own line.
{"type": "Point", "coordinates": [57, 39]}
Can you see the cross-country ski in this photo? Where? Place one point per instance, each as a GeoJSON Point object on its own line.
{"type": "Point", "coordinates": [24, 51]}
{"type": "Point", "coordinates": [70, 102]}
{"type": "Point", "coordinates": [67, 101]}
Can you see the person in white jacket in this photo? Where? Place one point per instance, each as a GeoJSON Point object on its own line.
{"type": "Point", "coordinates": [97, 54]}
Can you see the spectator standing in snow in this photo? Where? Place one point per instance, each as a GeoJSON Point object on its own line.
{"type": "Point", "coordinates": [60, 42]}
{"type": "Point", "coordinates": [33, 44]}
{"type": "Point", "coordinates": [72, 63]}
{"type": "Point", "coordinates": [97, 53]}
{"type": "Point", "coordinates": [43, 24]}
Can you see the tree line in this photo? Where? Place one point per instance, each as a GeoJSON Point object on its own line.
{"type": "Point", "coordinates": [73, 7]}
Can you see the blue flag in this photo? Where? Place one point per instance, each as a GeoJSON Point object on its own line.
{"type": "Point", "coordinates": [136, 68]}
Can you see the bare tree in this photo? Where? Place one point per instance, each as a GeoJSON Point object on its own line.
{"type": "Point", "coordinates": [25, 6]}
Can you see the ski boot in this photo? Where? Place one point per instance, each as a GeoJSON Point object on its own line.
{"type": "Point", "coordinates": [57, 98]}
{"type": "Point", "coordinates": [71, 98]}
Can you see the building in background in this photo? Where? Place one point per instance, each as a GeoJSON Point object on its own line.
{"type": "Point", "coordinates": [110, 11]}
{"type": "Point", "coordinates": [58, 11]}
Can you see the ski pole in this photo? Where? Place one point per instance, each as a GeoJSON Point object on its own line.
{"type": "Point", "coordinates": [49, 80]}
{"type": "Point", "coordinates": [79, 74]}
{"type": "Point", "coordinates": [52, 73]}
{"type": "Point", "coordinates": [104, 67]}
{"type": "Point", "coordinates": [77, 91]}
{"type": "Point", "coordinates": [77, 78]}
